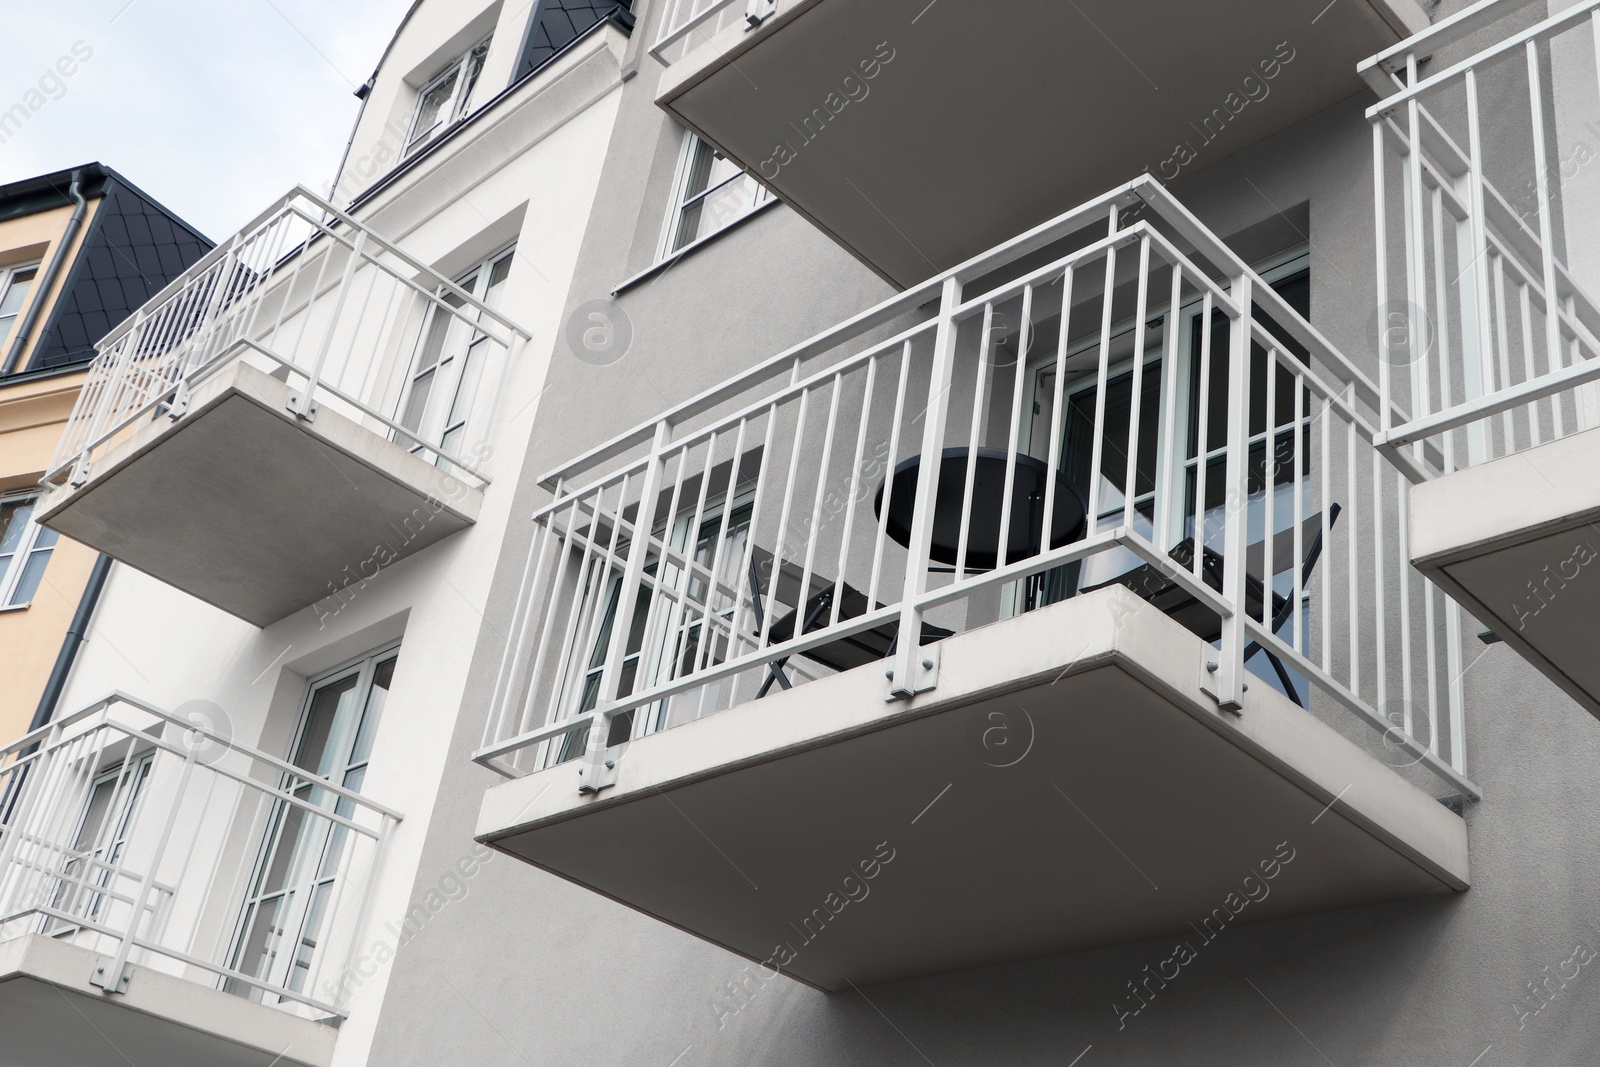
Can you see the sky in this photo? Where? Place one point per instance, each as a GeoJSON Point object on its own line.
{"type": "Point", "coordinates": [213, 107]}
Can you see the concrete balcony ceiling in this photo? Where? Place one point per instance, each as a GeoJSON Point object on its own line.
{"type": "Point", "coordinates": [843, 838]}
{"type": "Point", "coordinates": [919, 134]}
{"type": "Point", "coordinates": [51, 1016]}
{"type": "Point", "coordinates": [254, 510]}
{"type": "Point", "coordinates": [1516, 542]}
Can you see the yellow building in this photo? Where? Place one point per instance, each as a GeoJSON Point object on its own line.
{"type": "Point", "coordinates": [79, 250]}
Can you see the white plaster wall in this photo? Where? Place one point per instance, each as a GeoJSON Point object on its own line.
{"type": "Point", "coordinates": [166, 647]}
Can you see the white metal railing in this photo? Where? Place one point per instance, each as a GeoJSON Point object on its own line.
{"type": "Point", "coordinates": [687, 23]}
{"type": "Point", "coordinates": [140, 834]}
{"type": "Point", "coordinates": [1483, 169]}
{"type": "Point", "coordinates": [744, 539]}
{"type": "Point", "coordinates": [316, 298]}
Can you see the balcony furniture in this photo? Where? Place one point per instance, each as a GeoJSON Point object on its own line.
{"type": "Point", "coordinates": [1156, 585]}
{"type": "Point", "coordinates": [856, 650]}
{"type": "Point", "coordinates": [1026, 528]}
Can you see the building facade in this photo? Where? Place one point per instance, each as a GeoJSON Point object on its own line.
{"type": "Point", "coordinates": [508, 657]}
{"type": "Point", "coordinates": [81, 249]}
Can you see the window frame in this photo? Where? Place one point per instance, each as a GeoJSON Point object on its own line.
{"type": "Point", "coordinates": [460, 97]}
{"type": "Point", "coordinates": [11, 570]}
{"type": "Point", "coordinates": [8, 277]}
{"type": "Point", "coordinates": [447, 373]}
{"type": "Point", "coordinates": [680, 201]}
{"type": "Point", "coordinates": [301, 897]}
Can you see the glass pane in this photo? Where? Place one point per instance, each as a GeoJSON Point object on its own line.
{"type": "Point", "coordinates": [32, 574]}
{"type": "Point", "coordinates": [417, 402]}
{"type": "Point", "coordinates": [381, 677]}
{"type": "Point", "coordinates": [14, 516]}
{"type": "Point", "coordinates": [430, 110]}
{"type": "Point", "coordinates": [467, 387]}
{"type": "Point", "coordinates": [306, 950]}
{"type": "Point", "coordinates": [714, 211]}
{"type": "Point", "coordinates": [331, 724]}
{"type": "Point", "coordinates": [708, 168]}
{"type": "Point", "coordinates": [17, 292]}
{"type": "Point", "coordinates": [258, 946]}
{"type": "Point", "coordinates": [1077, 458]}
{"type": "Point", "coordinates": [498, 273]}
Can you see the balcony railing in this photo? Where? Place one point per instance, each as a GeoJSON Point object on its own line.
{"type": "Point", "coordinates": [156, 840]}
{"type": "Point", "coordinates": [316, 298]}
{"type": "Point", "coordinates": [1121, 356]}
{"type": "Point", "coordinates": [1486, 329]}
{"type": "Point", "coordinates": [691, 22]}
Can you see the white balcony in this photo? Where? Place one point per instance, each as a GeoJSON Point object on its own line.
{"type": "Point", "coordinates": [195, 900]}
{"type": "Point", "coordinates": [1489, 327]}
{"type": "Point", "coordinates": [305, 405]}
{"type": "Point", "coordinates": [918, 135]}
{"type": "Point", "coordinates": [705, 690]}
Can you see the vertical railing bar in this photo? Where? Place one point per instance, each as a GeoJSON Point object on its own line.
{"type": "Point", "coordinates": [813, 531]}
{"type": "Point", "coordinates": [783, 526]}
{"type": "Point", "coordinates": [1353, 571]}
{"type": "Point", "coordinates": [1298, 458]}
{"type": "Point", "coordinates": [1013, 441]}
{"type": "Point", "coordinates": [720, 549]}
{"type": "Point", "coordinates": [980, 382]}
{"type": "Point", "coordinates": [1552, 321]}
{"type": "Point", "coordinates": [113, 974]}
{"type": "Point", "coordinates": [1503, 349]}
{"type": "Point", "coordinates": [1097, 457]}
{"type": "Point", "coordinates": [1053, 447]}
{"type": "Point", "coordinates": [757, 505]}
{"type": "Point", "coordinates": [847, 534]}
{"type": "Point", "coordinates": [1130, 488]}
{"type": "Point", "coordinates": [1480, 261]}
{"type": "Point", "coordinates": [888, 482]}
{"type": "Point", "coordinates": [1404, 573]}
{"type": "Point", "coordinates": [1167, 456]}
{"type": "Point", "coordinates": [1525, 314]}
{"type": "Point", "coordinates": [1203, 429]}
{"type": "Point", "coordinates": [632, 577]}
{"type": "Point", "coordinates": [1269, 472]}
{"type": "Point", "coordinates": [1325, 596]}
{"type": "Point", "coordinates": [1379, 612]}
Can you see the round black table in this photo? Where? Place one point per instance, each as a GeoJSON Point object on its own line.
{"type": "Point", "coordinates": [988, 497]}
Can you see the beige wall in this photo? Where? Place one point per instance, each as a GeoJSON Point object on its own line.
{"type": "Point", "coordinates": [32, 416]}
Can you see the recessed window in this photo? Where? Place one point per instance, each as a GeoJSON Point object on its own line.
{"type": "Point", "coordinates": [25, 549]}
{"type": "Point", "coordinates": [15, 284]}
{"type": "Point", "coordinates": [711, 192]}
{"type": "Point", "coordinates": [443, 382]}
{"type": "Point", "coordinates": [446, 98]}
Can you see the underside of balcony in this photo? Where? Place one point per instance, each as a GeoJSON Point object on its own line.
{"type": "Point", "coordinates": [1068, 783]}
{"type": "Point", "coordinates": [256, 511]}
{"type": "Point", "coordinates": [52, 1016]}
{"type": "Point", "coordinates": [1515, 541]}
{"type": "Point", "coordinates": [918, 134]}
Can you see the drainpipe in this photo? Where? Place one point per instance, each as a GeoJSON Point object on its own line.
{"type": "Point", "coordinates": [42, 287]}
{"type": "Point", "coordinates": [71, 643]}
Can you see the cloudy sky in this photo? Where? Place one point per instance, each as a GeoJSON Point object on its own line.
{"type": "Point", "coordinates": [214, 107]}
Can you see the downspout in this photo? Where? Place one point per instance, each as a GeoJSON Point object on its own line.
{"type": "Point", "coordinates": [71, 643]}
{"type": "Point", "coordinates": [41, 290]}
{"type": "Point", "coordinates": [361, 94]}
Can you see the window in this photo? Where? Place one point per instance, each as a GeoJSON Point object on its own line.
{"type": "Point", "coordinates": [91, 875]}
{"type": "Point", "coordinates": [25, 549]}
{"type": "Point", "coordinates": [710, 193]}
{"type": "Point", "coordinates": [14, 285]}
{"type": "Point", "coordinates": [446, 98]}
{"type": "Point", "coordinates": [296, 872]}
{"type": "Point", "coordinates": [443, 381]}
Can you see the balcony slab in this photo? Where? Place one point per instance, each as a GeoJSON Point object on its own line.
{"type": "Point", "coordinates": [1516, 542]}
{"type": "Point", "coordinates": [255, 511]}
{"type": "Point", "coordinates": [50, 1016]}
{"type": "Point", "coordinates": [1116, 803]}
{"type": "Point", "coordinates": [982, 120]}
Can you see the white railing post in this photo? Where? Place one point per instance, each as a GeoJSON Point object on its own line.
{"type": "Point", "coordinates": [22, 808]}
{"type": "Point", "coordinates": [304, 405]}
{"type": "Point", "coordinates": [111, 978]}
{"type": "Point", "coordinates": [912, 670]}
{"type": "Point", "coordinates": [102, 413]}
{"type": "Point", "coordinates": [632, 579]}
{"type": "Point", "coordinates": [1230, 673]}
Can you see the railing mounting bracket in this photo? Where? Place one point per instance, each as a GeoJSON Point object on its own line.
{"type": "Point", "coordinates": [1208, 684]}
{"type": "Point", "coordinates": [593, 778]}
{"type": "Point", "coordinates": [758, 11]}
{"type": "Point", "coordinates": [99, 980]}
{"type": "Point", "coordinates": [303, 408]}
{"type": "Point", "coordinates": [926, 677]}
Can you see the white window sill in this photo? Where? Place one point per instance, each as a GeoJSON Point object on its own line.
{"type": "Point", "coordinates": [15, 607]}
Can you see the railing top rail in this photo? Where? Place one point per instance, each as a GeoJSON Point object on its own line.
{"type": "Point", "coordinates": [1553, 25]}
{"type": "Point", "coordinates": [1441, 34]}
{"type": "Point", "coordinates": [116, 697]}
{"type": "Point", "coordinates": [1144, 188]}
{"type": "Point", "coordinates": [280, 206]}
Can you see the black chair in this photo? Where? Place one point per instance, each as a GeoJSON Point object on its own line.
{"type": "Point", "coordinates": [856, 650]}
{"type": "Point", "coordinates": [1156, 585]}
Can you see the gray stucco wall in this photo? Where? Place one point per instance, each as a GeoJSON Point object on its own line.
{"type": "Point", "coordinates": [522, 968]}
